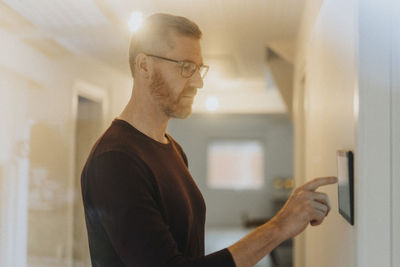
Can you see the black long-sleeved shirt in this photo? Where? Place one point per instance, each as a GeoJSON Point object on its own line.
{"type": "Point", "coordinates": [142, 206]}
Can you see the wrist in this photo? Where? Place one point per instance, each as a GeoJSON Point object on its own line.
{"type": "Point", "coordinates": [279, 228]}
{"type": "Point", "coordinates": [260, 242]}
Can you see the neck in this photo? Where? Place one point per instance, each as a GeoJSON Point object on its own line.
{"type": "Point", "coordinates": [147, 118]}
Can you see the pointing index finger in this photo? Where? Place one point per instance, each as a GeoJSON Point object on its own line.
{"type": "Point", "coordinates": [317, 182]}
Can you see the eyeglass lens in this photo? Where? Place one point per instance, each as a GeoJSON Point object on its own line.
{"type": "Point", "coordinates": [188, 69]}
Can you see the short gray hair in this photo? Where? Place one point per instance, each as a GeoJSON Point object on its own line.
{"type": "Point", "coordinates": [155, 30]}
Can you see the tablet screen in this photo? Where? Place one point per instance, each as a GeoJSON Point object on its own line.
{"type": "Point", "coordinates": [345, 184]}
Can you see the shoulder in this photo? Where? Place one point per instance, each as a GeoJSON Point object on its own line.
{"type": "Point", "coordinates": [117, 169]}
{"type": "Point", "coordinates": [120, 139]}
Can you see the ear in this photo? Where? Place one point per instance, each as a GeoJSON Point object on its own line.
{"type": "Point", "coordinates": [143, 65]}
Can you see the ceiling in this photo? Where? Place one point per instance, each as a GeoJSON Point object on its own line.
{"type": "Point", "coordinates": [235, 36]}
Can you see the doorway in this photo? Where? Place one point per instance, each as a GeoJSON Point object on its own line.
{"type": "Point", "coordinates": [88, 127]}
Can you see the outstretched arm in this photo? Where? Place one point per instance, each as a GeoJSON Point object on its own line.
{"type": "Point", "coordinates": [303, 207]}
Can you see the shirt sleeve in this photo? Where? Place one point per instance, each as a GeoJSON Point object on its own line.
{"type": "Point", "coordinates": [125, 197]}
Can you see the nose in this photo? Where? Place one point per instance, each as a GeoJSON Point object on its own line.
{"type": "Point", "coordinates": [196, 81]}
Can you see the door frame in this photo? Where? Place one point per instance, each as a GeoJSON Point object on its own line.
{"type": "Point", "coordinates": [97, 94]}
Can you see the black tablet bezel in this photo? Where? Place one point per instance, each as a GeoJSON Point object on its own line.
{"type": "Point", "coordinates": [350, 160]}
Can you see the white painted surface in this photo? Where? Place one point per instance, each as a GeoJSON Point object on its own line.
{"type": "Point", "coordinates": [395, 133]}
{"type": "Point", "coordinates": [300, 103]}
{"type": "Point", "coordinates": [24, 60]}
{"type": "Point", "coordinates": [36, 92]}
{"type": "Point", "coordinates": [327, 49]}
{"type": "Point", "coordinates": [373, 194]}
{"type": "Point", "coordinates": [368, 70]}
{"type": "Point", "coordinates": [14, 179]}
{"type": "Point", "coordinates": [330, 124]}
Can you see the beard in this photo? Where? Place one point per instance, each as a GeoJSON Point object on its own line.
{"type": "Point", "coordinates": [173, 106]}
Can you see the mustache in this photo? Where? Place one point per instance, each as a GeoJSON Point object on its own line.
{"type": "Point", "coordinates": [191, 91]}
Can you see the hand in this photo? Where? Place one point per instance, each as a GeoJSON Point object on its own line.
{"type": "Point", "coordinates": [304, 206]}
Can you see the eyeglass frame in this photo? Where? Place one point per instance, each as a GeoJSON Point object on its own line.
{"type": "Point", "coordinates": [182, 62]}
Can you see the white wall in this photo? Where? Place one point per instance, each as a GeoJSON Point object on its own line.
{"type": "Point", "coordinates": [395, 98]}
{"type": "Point", "coordinates": [37, 125]}
{"type": "Point", "coordinates": [275, 131]}
{"type": "Point", "coordinates": [378, 188]}
{"type": "Point", "coordinates": [309, 16]}
{"type": "Point", "coordinates": [349, 60]}
{"type": "Point", "coordinates": [327, 49]}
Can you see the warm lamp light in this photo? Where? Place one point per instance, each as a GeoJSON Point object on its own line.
{"type": "Point", "coordinates": [135, 21]}
{"type": "Point", "coordinates": [212, 103]}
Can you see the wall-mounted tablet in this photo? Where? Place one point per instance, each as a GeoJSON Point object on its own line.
{"type": "Point", "coordinates": [346, 184]}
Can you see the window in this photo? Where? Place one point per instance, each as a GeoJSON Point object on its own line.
{"type": "Point", "coordinates": [237, 165]}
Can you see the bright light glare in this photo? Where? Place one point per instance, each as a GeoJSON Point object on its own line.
{"type": "Point", "coordinates": [135, 21]}
{"type": "Point", "coordinates": [212, 103]}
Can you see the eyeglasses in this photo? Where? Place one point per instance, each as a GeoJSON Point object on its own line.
{"type": "Point", "coordinates": [187, 68]}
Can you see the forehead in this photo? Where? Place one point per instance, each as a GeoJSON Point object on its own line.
{"type": "Point", "coordinates": [184, 48]}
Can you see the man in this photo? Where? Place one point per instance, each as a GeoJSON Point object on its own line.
{"type": "Point", "coordinates": [142, 206]}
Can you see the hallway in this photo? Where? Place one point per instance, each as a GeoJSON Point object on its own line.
{"type": "Point", "coordinates": [290, 83]}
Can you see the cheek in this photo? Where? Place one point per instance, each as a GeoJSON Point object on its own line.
{"type": "Point", "coordinates": [176, 87]}
{"type": "Point", "coordinates": [169, 83]}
